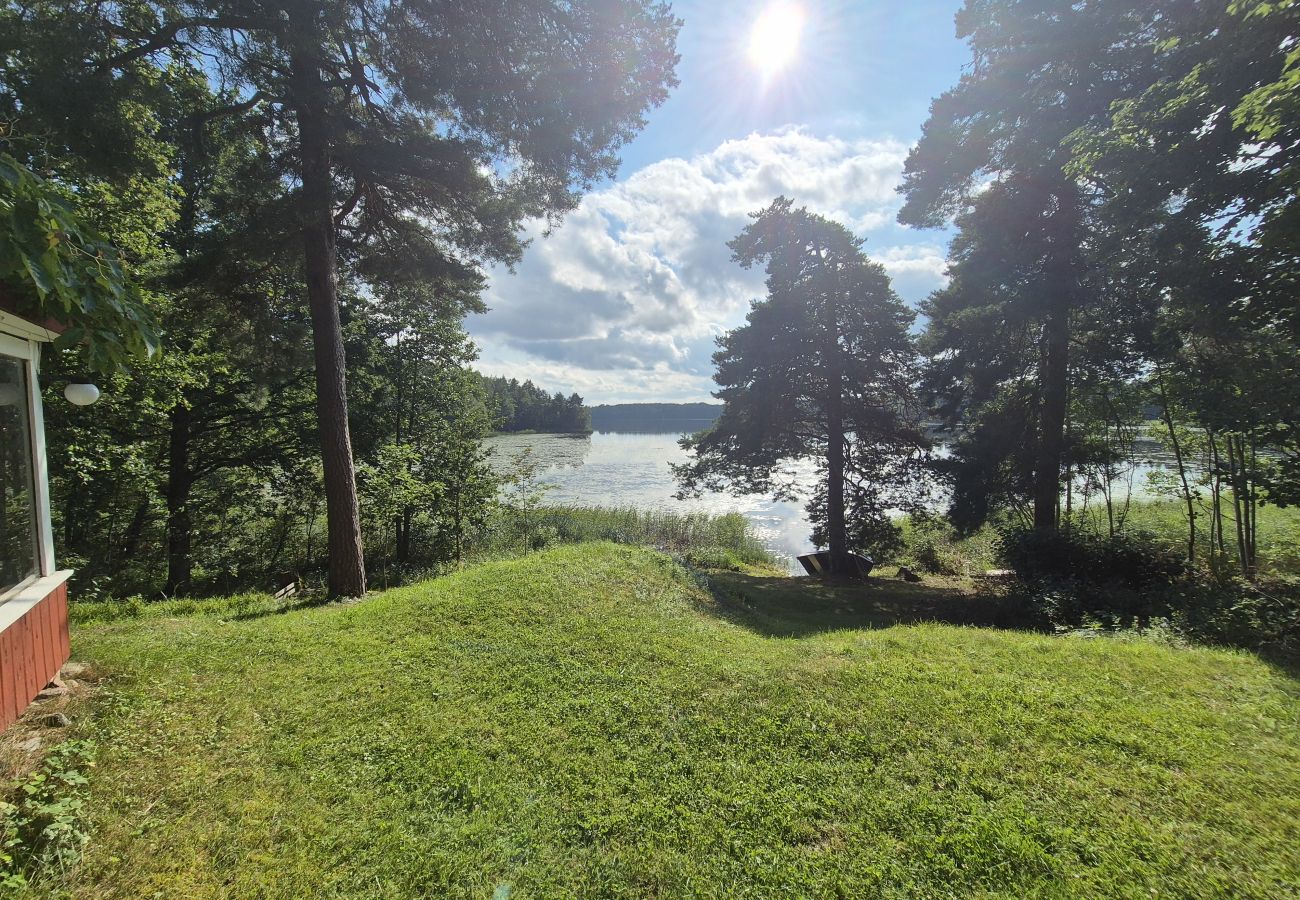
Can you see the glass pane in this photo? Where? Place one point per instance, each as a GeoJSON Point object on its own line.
{"type": "Point", "coordinates": [17, 516]}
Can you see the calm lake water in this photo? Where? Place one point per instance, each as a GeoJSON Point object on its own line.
{"type": "Point", "coordinates": [623, 469]}
{"type": "Point", "coordinates": [619, 469]}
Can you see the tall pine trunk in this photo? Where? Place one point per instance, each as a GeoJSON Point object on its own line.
{"type": "Point", "coordinates": [180, 560]}
{"type": "Point", "coordinates": [347, 570]}
{"type": "Point", "coordinates": [1053, 403]}
{"type": "Point", "coordinates": [836, 530]}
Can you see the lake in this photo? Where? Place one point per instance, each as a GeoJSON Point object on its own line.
{"type": "Point", "coordinates": [625, 469]}
{"type": "Point", "coordinates": [632, 469]}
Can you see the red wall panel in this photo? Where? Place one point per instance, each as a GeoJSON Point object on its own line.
{"type": "Point", "coordinates": [32, 650]}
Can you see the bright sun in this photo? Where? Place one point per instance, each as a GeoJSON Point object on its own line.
{"type": "Point", "coordinates": [774, 39]}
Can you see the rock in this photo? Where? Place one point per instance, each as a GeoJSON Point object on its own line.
{"type": "Point", "coordinates": [907, 574]}
{"type": "Point", "coordinates": [56, 720]}
{"type": "Point", "coordinates": [72, 669]}
{"type": "Point", "coordinates": [51, 691]}
{"type": "Point", "coordinates": [31, 745]}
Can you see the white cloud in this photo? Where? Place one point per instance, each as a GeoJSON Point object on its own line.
{"type": "Point", "coordinates": [913, 260]}
{"type": "Point", "coordinates": [625, 298]}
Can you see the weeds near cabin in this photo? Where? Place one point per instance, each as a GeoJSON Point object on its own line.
{"type": "Point", "coordinates": [42, 828]}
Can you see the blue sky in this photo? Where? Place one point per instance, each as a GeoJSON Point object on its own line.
{"type": "Point", "coordinates": [623, 301]}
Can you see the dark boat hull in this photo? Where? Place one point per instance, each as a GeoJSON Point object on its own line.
{"type": "Point", "coordinates": [818, 564]}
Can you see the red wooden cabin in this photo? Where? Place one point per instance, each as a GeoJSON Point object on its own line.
{"type": "Point", "coordinates": [33, 592]}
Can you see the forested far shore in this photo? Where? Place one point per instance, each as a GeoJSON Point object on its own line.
{"type": "Point", "coordinates": [523, 406]}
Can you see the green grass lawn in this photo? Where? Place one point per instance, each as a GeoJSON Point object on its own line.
{"type": "Point", "coordinates": [591, 722]}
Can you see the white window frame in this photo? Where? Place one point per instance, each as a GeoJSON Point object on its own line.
{"type": "Point", "coordinates": [29, 350]}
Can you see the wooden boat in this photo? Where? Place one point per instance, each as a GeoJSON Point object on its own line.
{"type": "Point", "coordinates": [818, 564]}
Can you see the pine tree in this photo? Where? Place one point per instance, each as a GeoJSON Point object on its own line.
{"type": "Point", "coordinates": [822, 369]}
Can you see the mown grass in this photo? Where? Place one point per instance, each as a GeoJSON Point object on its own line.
{"type": "Point", "coordinates": [591, 722]}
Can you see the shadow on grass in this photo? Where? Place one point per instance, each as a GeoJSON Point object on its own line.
{"type": "Point", "coordinates": [1283, 659]}
{"type": "Point", "coordinates": [801, 606]}
{"type": "Point", "coordinates": [296, 604]}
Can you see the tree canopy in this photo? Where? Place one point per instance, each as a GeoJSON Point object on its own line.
{"type": "Point", "coordinates": [55, 265]}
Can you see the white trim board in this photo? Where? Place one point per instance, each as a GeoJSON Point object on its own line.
{"type": "Point", "coordinates": [29, 596]}
{"type": "Point", "coordinates": [11, 324]}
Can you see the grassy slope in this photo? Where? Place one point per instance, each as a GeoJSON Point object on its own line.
{"type": "Point", "coordinates": [588, 722]}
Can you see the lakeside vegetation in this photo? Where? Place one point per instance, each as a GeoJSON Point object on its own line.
{"type": "Point", "coordinates": [591, 721]}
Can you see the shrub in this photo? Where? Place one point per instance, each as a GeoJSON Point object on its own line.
{"type": "Point", "coordinates": [1133, 559]}
{"type": "Point", "coordinates": [1074, 578]}
{"type": "Point", "coordinates": [929, 545]}
{"type": "Point", "coordinates": [719, 558]}
{"type": "Point", "coordinates": [1238, 613]}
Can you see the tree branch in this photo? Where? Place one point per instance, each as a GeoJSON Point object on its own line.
{"type": "Point", "coordinates": [165, 37]}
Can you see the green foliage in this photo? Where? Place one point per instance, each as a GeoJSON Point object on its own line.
{"type": "Point", "coordinates": [1232, 612]}
{"type": "Point", "coordinates": [931, 544]}
{"type": "Point", "coordinates": [526, 407]}
{"type": "Point", "coordinates": [59, 267]}
{"type": "Point", "coordinates": [692, 535]}
{"type": "Point", "coordinates": [1131, 559]}
{"type": "Point", "coordinates": [719, 558]}
{"type": "Point", "coordinates": [42, 824]}
{"type": "Point", "coordinates": [522, 495]}
{"type": "Point", "coordinates": [589, 722]}
{"type": "Point", "coordinates": [1080, 576]}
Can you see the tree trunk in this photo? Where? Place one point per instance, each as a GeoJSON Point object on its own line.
{"type": "Point", "coordinates": [347, 570]}
{"type": "Point", "coordinates": [404, 535]}
{"type": "Point", "coordinates": [1054, 379]}
{"type": "Point", "coordinates": [1182, 467]}
{"type": "Point", "coordinates": [836, 530]}
{"type": "Point", "coordinates": [180, 561]}
{"type": "Point", "coordinates": [135, 531]}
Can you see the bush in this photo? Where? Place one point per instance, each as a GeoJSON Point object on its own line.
{"type": "Point", "coordinates": [1073, 578]}
{"type": "Point", "coordinates": [718, 558]}
{"type": "Point", "coordinates": [931, 544]}
{"type": "Point", "coordinates": [1238, 613]}
{"type": "Point", "coordinates": [1133, 559]}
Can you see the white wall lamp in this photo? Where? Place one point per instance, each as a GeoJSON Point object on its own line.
{"type": "Point", "coordinates": [81, 394]}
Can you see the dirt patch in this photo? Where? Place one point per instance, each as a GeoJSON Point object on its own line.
{"type": "Point", "coordinates": [45, 722]}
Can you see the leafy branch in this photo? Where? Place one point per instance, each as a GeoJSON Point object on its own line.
{"type": "Point", "coordinates": [58, 267]}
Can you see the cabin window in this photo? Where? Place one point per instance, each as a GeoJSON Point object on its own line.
{"type": "Point", "coordinates": [18, 535]}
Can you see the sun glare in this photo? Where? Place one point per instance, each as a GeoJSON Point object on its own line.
{"type": "Point", "coordinates": [774, 39]}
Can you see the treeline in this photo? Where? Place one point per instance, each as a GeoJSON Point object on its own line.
{"type": "Point", "coordinates": [523, 406]}
{"type": "Point", "coordinates": [302, 200]}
